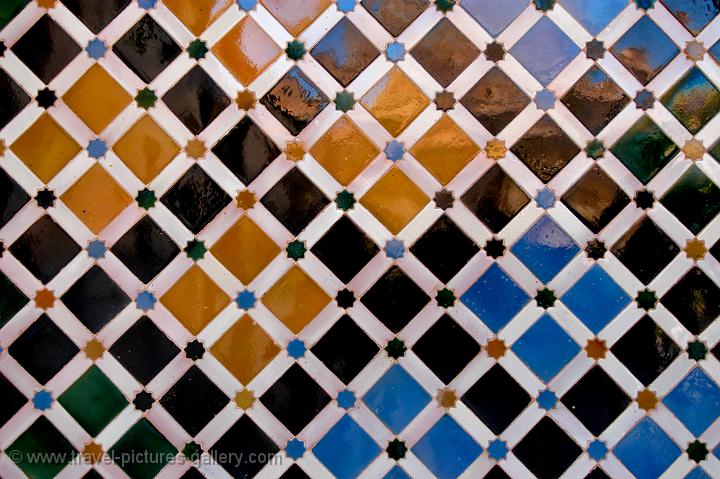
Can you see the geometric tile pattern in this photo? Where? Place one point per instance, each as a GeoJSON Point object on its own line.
{"type": "Point", "coordinates": [376, 238]}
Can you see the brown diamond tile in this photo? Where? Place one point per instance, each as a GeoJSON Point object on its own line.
{"type": "Point", "coordinates": [146, 149]}
{"type": "Point", "coordinates": [545, 149]}
{"type": "Point", "coordinates": [245, 349]}
{"type": "Point", "coordinates": [395, 101]}
{"type": "Point", "coordinates": [595, 199]}
{"type": "Point", "coordinates": [295, 15]}
{"type": "Point", "coordinates": [344, 51]}
{"type": "Point", "coordinates": [295, 299]}
{"type": "Point", "coordinates": [445, 52]}
{"type": "Point", "coordinates": [198, 14]}
{"type": "Point", "coordinates": [394, 200]}
{"type": "Point", "coordinates": [245, 250]}
{"type": "Point", "coordinates": [97, 98]}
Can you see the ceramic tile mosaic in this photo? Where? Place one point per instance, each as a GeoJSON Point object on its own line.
{"type": "Point", "coordinates": [377, 239]}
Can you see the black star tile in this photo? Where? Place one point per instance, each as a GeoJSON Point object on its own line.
{"type": "Point", "coordinates": [295, 100]}
{"type": "Point", "coordinates": [495, 199]}
{"type": "Point", "coordinates": [646, 350]}
{"type": "Point", "coordinates": [694, 199]}
{"type": "Point", "coordinates": [144, 350]}
{"type": "Point", "coordinates": [244, 439]}
{"type": "Point", "coordinates": [546, 450]}
{"type": "Point", "coordinates": [345, 249]}
{"type": "Point", "coordinates": [496, 399]}
{"type": "Point", "coordinates": [545, 149]}
{"type": "Point", "coordinates": [45, 198]}
{"type": "Point", "coordinates": [195, 199]}
{"type": "Point", "coordinates": [295, 399]}
{"type": "Point", "coordinates": [694, 300]}
{"type": "Point", "coordinates": [44, 249]}
{"type": "Point", "coordinates": [46, 98]}
{"type": "Point", "coordinates": [596, 400]}
{"type": "Point", "coordinates": [395, 299]}
{"type": "Point", "coordinates": [444, 249]}
{"type": "Point", "coordinates": [595, 199]}
{"type": "Point", "coordinates": [294, 201]}
{"type": "Point", "coordinates": [12, 98]}
{"type": "Point", "coordinates": [43, 349]}
{"type": "Point", "coordinates": [13, 400]}
{"type": "Point", "coordinates": [196, 100]}
{"type": "Point", "coordinates": [344, 51]}
{"type": "Point", "coordinates": [12, 197]}
{"type": "Point", "coordinates": [246, 150]}
{"type": "Point", "coordinates": [645, 250]}
{"type": "Point", "coordinates": [143, 401]}
{"type": "Point", "coordinates": [194, 400]}
{"type": "Point", "coordinates": [446, 348]}
{"type": "Point", "coordinates": [145, 249]}
{"type": "Point", "coordinates": [147, 49]}
{"type": "Point", "coordinates": [46, 49]}
{"type": "Point", "coordinates": [345, 349]}
{"type": "Point", "coordinates": [95, 299]}
{"type": "Point", "coordinates": [495, 100]}
{"type": "Point", "coordinates": [96, 15]}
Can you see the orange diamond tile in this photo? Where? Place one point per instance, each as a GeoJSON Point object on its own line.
{"type": "Point", "coordinates": [97, 98]}
{"type": "Point", "coordinates": [197, 15]}
{"type": "Point", "coordinates": [394, 200]}
{"type": "Point", "coordinates": [245, 250]}
{"type": "Point", "coordinates": [295, 15]}
{"type": "Point", "coordinates": [146, 149]}
{"type": "Point", "coordinates": [246, 50]}
{"type": "Point", "coordinates": [295, 299]}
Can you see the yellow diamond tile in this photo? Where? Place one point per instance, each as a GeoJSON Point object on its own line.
{"type": "Point", "coordinates": [97, 98]}
{"type": "Point", "coordinates": [246, 50]}
{"type": "Point", "coordinates": [197, 15]}
{"type": "Point", "coordinates": [195, 299]}
{"type": "Point", "coordinates": [295, 299]}
{"type": "Point", "coordinates": [96, 198]}
{"type": "Point", "coordinates": [344, 150]}
{"type": "Point", "coordinates": [245, 250]}
{"type": "Point", "coordinates": [245, 349]}
{"type": "Point", "coordinates": [395, 101]}
{"type": "Point", "coordinates": [394, 200]}
{"type": "Point", "coordinates": [45, 148]}
{"type": "Point", "coordinates": [444, 149]}
{"type": "Point", "coordinates": [146, 149]}
{"type": "Point", "coordinates": [295, 15]}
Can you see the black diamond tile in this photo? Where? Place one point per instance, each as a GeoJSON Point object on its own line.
{"type": "Point", "coordinates": [446, 348]}
{"type": "Point", "coordinates": [595, 99]}
{"type": "Point", "coordinates": [96, 15]}
{"type": "Point", "coordinates": [195, 199]}
{"type": "Point", "coordinates": [495, 100]}
{"type": "Point", "coordinates": [295, 472]}
{"type": "Point", "coordinates": [444, 249]}
{"type": "Point", "coordinates": [344, 51]}
{"type": "Point", "coordinates": [46, 49]}
{"type": "Point", "coordinates": [13, 400]}
{"type": "Point", "coordinates": [395, 15]}
{"type": "Point", "coordinates": [345, 349]}
{"type": "Point", "coordinates": [595, 199]}
{"type": "Point", "coordinates": [295, 399]}
{"type": "Point", "coordinates": [145, 249]}
{"type": "Point", "coordinates": [395, 299]}
{"type": "Point", "coordinates": [196, 100]}
{"type": "Point", "coordinates": [345, 249]}
{"type": "Point", "coordinates": [43, 349]}
{"type": "Point", "coordinates": [295, 100]}
{"type": "Point", "coordinates": [694, 199]}
{"type": "Point", "coordinates": [12, 299]}
{"type": "Point", "coordinates": [496, 399]}
{"type": "Point", "coordinates": [546, 450]}
{"type": "Point", "coordinates": [44, 249]}
{"type": "Point", "coordinates": [545, 149]}
{"type": "Point", "coordinates": [12, 197]}
{"type": "Point", "coordinates": [95, 299]}
{"type": "Point", "coordinates": [243, 439]}
{"type": "Point", "coordinates": [496, 473]}
{"type": "Point", "coordinates": [144, 350]}
{"type": "Point", "coordinates": [646, 350]}
{"type": "Point", "coordinates": [194, 400]}
{"type": "Point", "coordinates": [597, 473]}
{"type": "Point", "coordinates": [246, 150]}
{"type": "Point", "coordinates": [645, 250]}
{"type": "Point", "coordinates": [12, 98]}
{"type": "Point", "coordinates": [495, 199]}
{"type": "Point", "coordinates": [294, 201]}
{"type": "Point", "coordinates": [147, 49]}
{"type": "Point", "coordinates": [694, 300]}
{"type": "Point", "coordinates": [596, 400]}
{"type": "Point", "coordinates": [192, 473]}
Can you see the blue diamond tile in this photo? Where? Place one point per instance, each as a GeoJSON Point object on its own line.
{"type": "Point", "coordinates": [596, 299]}
{"type": "Point", "coordinates": [396, 398]}
{"type": "Point", "coordinates": [697, 473]}
{"type": "Point", "coordinates": [645, 50]}
{"type": "Point", "coordinates": [715, 51]}
{"type": "Point", "coordinates": [546, 348]}
{"type": "Point", "coordinates": [594, 15]}
{"type": "Point", "coordinates": [358, 449]}
{"type": "Point", "coordinates": [694, 14]}
{"type": "Point", "coordinates": [547, 62]}
{"type": "Point", "coordinates": [695, 401]}
{"type": "Point", "coordinates": [446, 449]}
{"type": "Point", "coordinates": [646, 450]}
{"type": "Point", "coordinates": [494, 15]}
{"type": "Point", "coordinates": [396, 473]}
{"type": "Point", "coordinates": [545, 249]}
{"type": "Point", "coordinates": [495, 298]}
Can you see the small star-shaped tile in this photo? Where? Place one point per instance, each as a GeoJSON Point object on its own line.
{"type": "Point", "coordinates": [697, 350]}
{"type": "Point", "coordinates": [345, 200]}
{"type": "Point", "coordinates": [496, 348]}
{"type": "Point", "coordinates": [194, 350]}
{"type": "Point", "coordinates": [697, 451]}
{"type": "Point", "coordinates": [197, 49]}
{"type": "Point", "coordinates": [695, 249]}
{"type": "Point", "coordinates": [146, 199]}
{"type": "Point", "coordinates": [497, 449]}
{"type": "Point", "coordinates": [45, 198]}
{"type": "Point", "coordinates": [245, 200]}
{"type": "Point", "coordinates": [394, 150]}
{"type": "Point", "coordinates": [247, 5]}
{"type": "Point", "coordinates": [597, 450]}
{"type": "Point", "coordinates": [143, 401]}
{"type": "Point", "coordinates": [644, 199]}
{"type": "Point", "coordinates": [295, 449]}
{"type": "Point", "coordinates": [547, 399]}
{"type": "Point", "coordinates": [545, 198]}
{"type": "Point", "coordinates": [444, 100]}
{"type": "Point", "coordinates": [295, 50]}
{"type": "Point", "coordinates": [195, 249]}
{"type": "Point", "coordinates": [96, 249]}
{"type": "Point", "coordinates": [646, 299]}
{"type": "Point", "coordinates": [395, 348]}
{"type": "Point", "coordinates": [92, 453]}
{"type": "Point", "coordinates": [444, 199]}
{"type": "Point", "coordinates": [445, 5]}
{"type": "Point", "coordinates": [244, 399]}
{"type": "Point", "coordinates": [192, 451]}
{"type": "Point", "coordinates": [42, 400]}
{"type": "Point", "coordinates": [595, 249]}
{"type": "Point", "coordinates": [395, 52]}
{"type": "Point", "coordinates": [96, 49]}
{"type": "Point", "coordinates": [195, 149]}
{"type": "Point", "coordinates": [346, 6]}
{"type": "Point", "coordinates": [545, 298]}
{"type": "Point", "coordinates": [445, 298]}
{"type": "Point", "coordinates": [495, 149]}
{"type": "Point", "coordinates": [694, 149]}
{"type": "Point", "coordinates": [296, 250]}
{"type": "Point", "coordinates": [344, 101]}
{"type": "Point", "coordinates": [145, 98]}
{"type": "Point", "coordinates": [644, 99]}
{"type": "Point", "coordinates": [97, 148]}
{"type": "Point", "coordinates": [147, 4]}
{"type": "Point", "coordinates": [544, 5]}
{"type": "Point", "coordinates": [346, 399]}
{"type": "Point", "coordinates": [645, 4]}
{"type": "Point", "coordinates": [595, 149]}
{"type": "Point", "coordinates": [694, 50]}
{"type": "Point", "coordinates": [396, 449]}
{"type": "Point", "coordinates": [596, 349]}
{"type": "Point", "coordinates": [494, 248]}
{"type": "Point", "coordinates": [246, 100]}
{"type": "Point", "coordinates": [394, 249]}
{"type": "Point", "coordinates": [145, 301]}
{"type": "Point", "coordinates": [44, 299]}
{"type": "Point", "coordinates": [446, 397]}
{"type": "Point", "coordinates": [647, 400]}
{"type": "Point", "coordinates": [295, 151]}
{"type": "Point", "coordinates": [296, 349]}
{"type": "Point", "coordinates": [94, 349]}
{"type": "Point", "coordinates": [595, 49]}
{"type": "Point", "coordinates": [545, 100]}
{"type": "Point", "coordinates": [46, 3]}
{"type": "Point", "coordinates": [494, 52]}
{"type": "Point", "coordinates": [245, 300]}
{"type": "Point", "coordinates": [46, 98]}
{"type": "Point", "coordinates": [345, 298]}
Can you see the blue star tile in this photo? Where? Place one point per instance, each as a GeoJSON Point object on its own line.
{"type": "Point", "coordinates": [495, 298]}
{"type": "Point", "coordinates": [597, 450]}
{"type": "Point", "coordinates": [695, 401]}
{"type": "Point", "coordinates": [295, 449]}
{"type": "Point", "coordinates": [497, 449]}
{"type": "Point", "coordinates": [396, 473]}
{"type": "Point", "coordinates": [545, 100]}
{"type": "Point", "coordinates": [446, 449]}
{"type": "Point", "coordinates": [547, 62]}
{"type": "Point", "coordinates": [394, 249]}
{"type": "Point", "coordinates": [96, 249]}
{"type": "Point", "coordinates": [545, 249]}
{"type": "Point", "coordinates": [358, 449]}
{"type": "Point", "coordinates": [97, 148]}
{"type": "Point", "coordinates": [494, 15]}
{"type": "Point", "coordinates": [547, 399]}
{"type": "Point", "coordinates": [546, 348]}
{"type": "Point", "coordinates": [247, 4]}
{"type": "Point", "coordinates": [594, 15]}
{"type": "Point", "coordinates": [147, 4]}
{"type": "Point", "coordinates": [395, 52]}
{"type": "Point", "coordinates": [145, 301]}
{"type": "Point", "coordinates": [396, 398]}
{"type": "Point", "coordinates": [96, 48]}
{"type": "Point", "coordinates": [346, 6]}
{"type": "Point", "coordinates": [42, 400]}
{"type": "Point", "coordinates": [394, 150]}
{"type": "Point", "coordinates": [596, 299]}
{"type": "Point", "coordinates": [296, 349]}
{"type": "Point", "coordinates": [245, 299]}
{"type": "Point", "coordinates": [545, 198]}
{"type": "Point", "coordinates": [646, 450]}
{"type": "Point", "coordinates": [346, 399]}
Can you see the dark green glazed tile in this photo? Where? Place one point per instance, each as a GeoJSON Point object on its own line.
{"type": "Point", "coordinates": [9, 9]}
{"type": "Point", "coordinates": [694, 199]}
{"type": "Point", "coordinates": [644, 149]}
{"type": "Point", "coordinates": [694, 100]}
{"type": "Point", "coordinates": [41, 437]}
{"type": "Point", "coordinates": [144, 439]}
